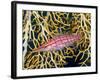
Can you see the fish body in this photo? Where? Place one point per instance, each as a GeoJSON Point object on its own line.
{"type": "Point", "coordinates": [58, 42]}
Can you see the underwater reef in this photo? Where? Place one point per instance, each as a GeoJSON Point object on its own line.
{"type": "Point", "coordinates": [40, 26]}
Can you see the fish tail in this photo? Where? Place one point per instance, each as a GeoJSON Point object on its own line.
{"type": "Point", "coordinates": [38, 49]}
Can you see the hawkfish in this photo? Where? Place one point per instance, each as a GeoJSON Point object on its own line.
{"type": "Point", "coordinates": [58, 42]}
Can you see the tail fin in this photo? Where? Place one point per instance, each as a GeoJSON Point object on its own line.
{"type": "Point", "coordinates": [35, 50]}
{"type": "Point", "coordinates": [38, 49]}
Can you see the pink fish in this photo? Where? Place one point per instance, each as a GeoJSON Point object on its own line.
{"type": "Point", "coordinates": [58, 42]}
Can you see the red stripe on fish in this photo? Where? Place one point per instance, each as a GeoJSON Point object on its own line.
{"type": "Point", "coordinates": [59, 42]}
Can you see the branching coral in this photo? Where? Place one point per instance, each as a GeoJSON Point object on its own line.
{"type": "Point", "coordinates": [40, 26]}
